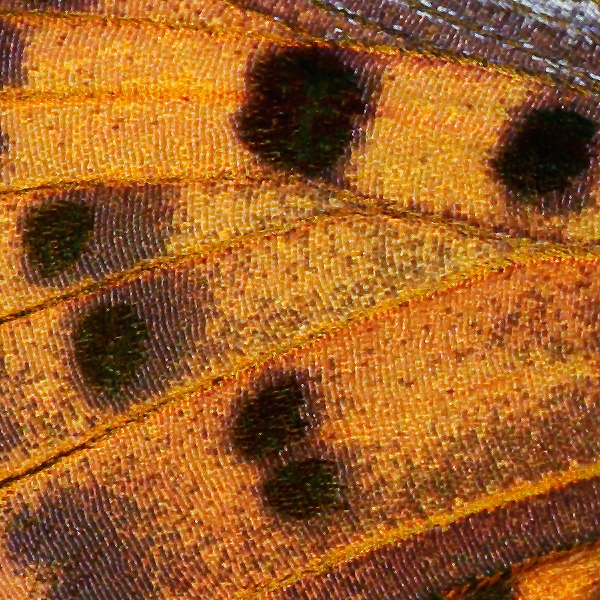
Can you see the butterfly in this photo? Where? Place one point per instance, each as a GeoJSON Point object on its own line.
{"type": "Point", "coordinates": [299, 300]}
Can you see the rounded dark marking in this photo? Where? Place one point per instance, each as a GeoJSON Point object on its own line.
{"type": "Point", "coordinates": [304, 489]}
{"type": "Point", "coordinates": [12, 48]}
{"type": "Point", "coordinates": [165, 319]}
{"type": "Point", "coordinates": [545, 153]}
{"type": "Point", "coordinates": [55, 235]}
{"type": "Point", "coordinates": [300, 109]}
{"type": "Point", "coordinates": [110, 344]}
{"type": "Point", "coordinates": [273, 417]}
{"type": "Point", "coordinates": [79, 540]}
{"type": "Point", "coordinates": [94, 231]}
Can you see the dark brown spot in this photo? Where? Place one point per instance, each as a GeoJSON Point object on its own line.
{"type": "Point", "coordinates": [276, 414]}
{"type": "Point", "coordinates": [300, 109]}
{"type": "Point", "coordinates": [110, 346]}
{"type": "Point", "coordinates": [95, 231]}
{"type": "Point", "coordinates": [547, 151]}
{"type": "Point", "coordinates": [304, 489]}
{"type": "Point", "coordinates": [55, 235]}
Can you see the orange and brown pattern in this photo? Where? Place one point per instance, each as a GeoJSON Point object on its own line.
{"type": "Point", "coordinates": [299, 300]}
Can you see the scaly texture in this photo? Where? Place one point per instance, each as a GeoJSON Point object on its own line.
{"type": "Point", "coordinates": [299, 300]}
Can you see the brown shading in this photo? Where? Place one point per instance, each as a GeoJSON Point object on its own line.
{"type": "Point", "coordinates": [10, 432]}
{"type": "Point", "coordinates": [12, 48]}
{"type": "Point", "coordinates": [431, 564]}
{"type": "Point", "coordinates": [129, 225]}
{"type": "Point", "coordinates": [171, 305]}
{"type": "Point", "coordinates": [509, 449]}
{"type": "Point", "coordinates": [80, 541]}
{"type": "Point", "coordinates": [87, 541]}
{"type": "Point", "coordinates": [595, 594]}
{"type": "Point", "coordinates": [58, 5]}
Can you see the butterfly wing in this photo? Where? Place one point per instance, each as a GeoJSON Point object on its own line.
{"type": "Point", "coordinates": [290, 316]}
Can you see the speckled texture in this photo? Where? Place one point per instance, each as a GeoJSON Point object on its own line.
{"type": "Point", "coordinates": [299, 300]}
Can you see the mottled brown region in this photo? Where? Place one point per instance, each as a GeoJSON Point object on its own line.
{"type": "Point", "coordinates": [71, 522]}
{"type": "Point", "coordinates": [130, 224]}
{"type": "Point", "coordinates": [11, 429]}
{"type": "Point", "coordinates": [10, 432]}
{"type": "Point", "coordinates": [427, 566]}
{"type": "Point", "coordinates": [484, 30]}
{"type": "Point", "coordinates": [12, 48]}
{"type": "Point", "coordinates": [51, 5]}
{"type": "Point", "coordinates": [74, 521]}
{"type": "Point", "coordinates": [526, 446]}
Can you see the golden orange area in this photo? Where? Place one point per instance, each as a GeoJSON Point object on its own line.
{"type": "Point", "coordinates": [249, 300]}
{"type": "Point", "coordinates": [146, 140]}
{"type": "Point", "coordinates": [83, 57]}
{"type": "Point", "coordinates": [573, 577]}
{"type": "Point", "coordinates": [405, 400]}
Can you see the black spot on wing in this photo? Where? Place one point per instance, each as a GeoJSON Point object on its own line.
{"type": "Point", "coordinates": [545, 153]}
{"type": "Point", "coordinates": [131, 341]}
{"type": "Point", "coordinates": [304, 489]}
{"type": "Point", "coordinates": [55, 235]}
{"type": "Point", "coordinates": [300, 109]}
{"type": "Point", "coordinates": [12, 48]}
{"type": "Point", "coordinates": [278, 413]}
{"type": "Point", "coordinates": [79, 541]}
{"type": "Point", "coordinates": [94, 232]}
{"type": "Point", "coordinates": [110, 346]}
